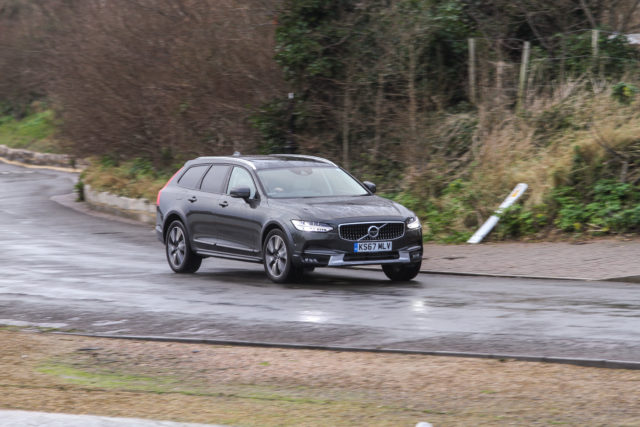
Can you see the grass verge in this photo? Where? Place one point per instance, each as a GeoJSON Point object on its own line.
{"type": "Point", "coordinates": [263, 387]}
{"type": "Point", "coordinates": [134, 178]}
{"type": "Point", "coordinates": [35, 132]}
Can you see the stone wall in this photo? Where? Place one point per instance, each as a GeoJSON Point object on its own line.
{"type": "Point", "coordinates": [40, 159]}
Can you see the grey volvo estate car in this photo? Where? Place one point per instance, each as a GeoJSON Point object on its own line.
{"type": "Point", "coordinates": [290, 212]}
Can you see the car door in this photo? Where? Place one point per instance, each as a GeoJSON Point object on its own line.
{"type": "Point", "coordinates": [205, 208]}
{"type": "Point", "coordinates": [187, 195]}
{"type": "Point", "coordinates": [238, 226]}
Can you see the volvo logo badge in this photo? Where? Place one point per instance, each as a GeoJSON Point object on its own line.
{"type": "Point", "coordinates": [373, 231]}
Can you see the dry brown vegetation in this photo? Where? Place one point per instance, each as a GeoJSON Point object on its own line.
{"type": "Point", "coordinates": [155, 78]}
{"type": "Point", "coordinates": [148, 78]}
{"type": "Point", "coordinates": [263, 387]}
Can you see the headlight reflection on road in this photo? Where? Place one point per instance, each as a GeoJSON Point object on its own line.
{"type": "Point", "coordinates": [313, 316]}
{"type": "Point", "coordinates": [419, 306]}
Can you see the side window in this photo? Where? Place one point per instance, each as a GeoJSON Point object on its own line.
{"type": "Point", "coordinates": [213, 181]}
{"type": "Point", "coordinates": [191, 178]}
{"type": "Point", "coordinates": [240, 177]}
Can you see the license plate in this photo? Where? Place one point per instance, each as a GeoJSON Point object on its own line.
{"type": "Point", "coordinates": [372, 247]}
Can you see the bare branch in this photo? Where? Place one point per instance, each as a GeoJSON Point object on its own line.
{"type": "Point", "coordinates": [587, 11]}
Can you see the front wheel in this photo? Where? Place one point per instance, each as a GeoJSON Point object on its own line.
{"type": "Point", "coordinates": [277, 259]}
{"type": "Point", "coordinates": [179, 254]}
{"type": "Point", "coordinates": [402, 272]}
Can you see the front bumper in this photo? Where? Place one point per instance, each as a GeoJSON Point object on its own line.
{"type": "Point", "coordinates": [329, 259]}
{"type": "Point", "coordinates": [329, 250]}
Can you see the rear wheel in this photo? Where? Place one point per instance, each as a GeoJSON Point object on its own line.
{"type": "Point", "coordinates": [401, 272]}
{"type": "Point", "coordinates": [277, 259]}
{"type": "Point", "coordinates": [179, 254]}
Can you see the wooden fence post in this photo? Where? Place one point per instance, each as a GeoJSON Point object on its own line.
{"type": "Point", "coordinates": [472, 71]}
{"type": "Point", "coordinates": [524, 67]}
{"type": "Point", "coordinates": [563, 60]}
{"type": "Point", "coordinates": [595, 37]}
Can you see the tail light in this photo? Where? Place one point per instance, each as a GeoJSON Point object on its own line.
{"type": "Point", "coordinates": [165, 186]}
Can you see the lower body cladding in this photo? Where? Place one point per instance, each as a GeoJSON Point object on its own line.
{"type": "Point", "coordinates": [330, 258]}
{"type": "Point", "coordinates": [327, 259]}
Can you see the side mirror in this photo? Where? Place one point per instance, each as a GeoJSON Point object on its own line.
{"type": "Point", "coordinates": [240, 193]}
{"type": "Point", "coordinates": [370, 185]}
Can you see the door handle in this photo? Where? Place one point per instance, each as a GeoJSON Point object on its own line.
{"type": "Point", "coordinates": [192, 199]}
{"type": "Point", "coordinates": [224, 204]}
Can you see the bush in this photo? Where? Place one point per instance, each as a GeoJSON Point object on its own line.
{"type": "Point", "coordinates": [445, 219]}
{"type": "Point", "coordinates": [624, 93]}
{"type": "Point", "coordinates": [616, 55]}
{"type": "Point", "coordinates": [612, 207]}
{"type": "Point", "coordinates": [518, 221]}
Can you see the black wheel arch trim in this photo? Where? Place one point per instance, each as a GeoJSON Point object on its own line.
{"type": "Point", "coordinates": [169, 218]}
{"type": "Point", "coordinates": [266, 229]}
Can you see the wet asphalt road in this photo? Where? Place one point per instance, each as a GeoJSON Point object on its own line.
{"type": "Point", "coordinates": [63, 269]}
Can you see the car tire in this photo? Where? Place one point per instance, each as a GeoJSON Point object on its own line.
{"type": "Point", "coordinates": [278, 264]}
{"type": "Point", "coordinates": [402, 272]}
{"type": "Point", "coordinates": [179, 254]}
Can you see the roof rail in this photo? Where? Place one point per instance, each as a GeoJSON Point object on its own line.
{"type": "Point", "coordinates": [237, 159]}
{"type": "Point", "coordinates": [302, 156]}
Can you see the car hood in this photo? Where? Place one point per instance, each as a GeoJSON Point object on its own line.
{"type": "Point", "coordinates": [341, 209]}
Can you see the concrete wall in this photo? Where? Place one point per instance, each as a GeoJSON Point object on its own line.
{"type": "Point", "coordinates": [139, 209]}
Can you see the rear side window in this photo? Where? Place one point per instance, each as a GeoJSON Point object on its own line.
{"type": "Point", "coordinates": [213, 181]}
{"type": "Point", "coordinates": [191, 178]}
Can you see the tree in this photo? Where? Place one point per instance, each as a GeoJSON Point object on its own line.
{"type": "Point", "coordinates": [159, 79]}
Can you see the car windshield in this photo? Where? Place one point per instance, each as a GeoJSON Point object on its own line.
{"type": "Point", "coordinates": [309, 182]}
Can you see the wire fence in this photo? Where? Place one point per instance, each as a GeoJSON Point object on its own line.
{"type": "Point", "coordinates": [514, 72]}
{"type": "Point", "coordinates": [541, 39]}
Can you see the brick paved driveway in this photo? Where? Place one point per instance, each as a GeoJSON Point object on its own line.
{"type": "Point", "coordinates": [592, 260]}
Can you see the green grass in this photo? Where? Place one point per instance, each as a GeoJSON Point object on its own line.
{"type": "Point", "coordinates": [162, 383]}
{"type": "Point", "coordinates": [107, 380]}
{"type": "Point", "coordinates": [35, 132]}
{"type": "Point", "coordinates": [117, 378]}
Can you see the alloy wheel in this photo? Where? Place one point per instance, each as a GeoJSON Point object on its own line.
{"type": "Point", "coordinates": [276, 256]}
{"type": "Point", "coordinates": [176, 247]}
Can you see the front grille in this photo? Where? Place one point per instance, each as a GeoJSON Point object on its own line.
{"type": "Point", "coordinates": [360, 232]}
{"type": "Point", "coordinates": [372, 256]}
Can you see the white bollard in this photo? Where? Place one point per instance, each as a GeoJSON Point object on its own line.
{"type": "Point", "coordinates": [493, 220]}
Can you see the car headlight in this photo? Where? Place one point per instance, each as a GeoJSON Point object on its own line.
{"type": "Point", "coordinates": [317, 227]}
{"type": "Point", "coordinates": [413, 223]}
